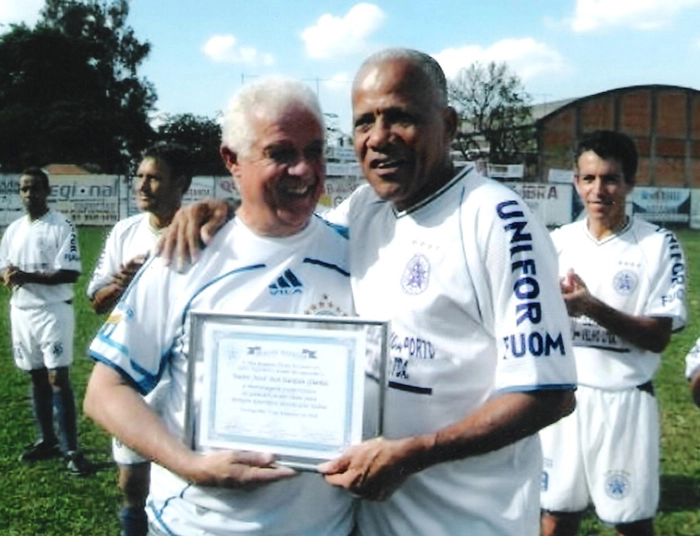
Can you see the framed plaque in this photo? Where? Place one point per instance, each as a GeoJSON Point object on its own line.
{"type": "Point", "coordinates": [291, 385]}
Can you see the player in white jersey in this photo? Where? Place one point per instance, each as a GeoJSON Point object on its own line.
{"type": "Point", "coordinates": [274, 257]}
{"type": "Point", "coordinates": [163, 176]}
{"type": "Point", "coordinates": [480, 346]}
{"type": "Point", "coordinates": [623, 280]}
{"type": "Point", "coordinates": [40, 261]}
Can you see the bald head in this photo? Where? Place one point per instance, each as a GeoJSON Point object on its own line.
{"type": "Point", "coordinates": [402, 125]}
{"type": "Point", "coordinates": [423, 68]}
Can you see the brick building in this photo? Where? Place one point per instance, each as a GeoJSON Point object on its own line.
{"type": "Point", "coordinates": [664, 122]}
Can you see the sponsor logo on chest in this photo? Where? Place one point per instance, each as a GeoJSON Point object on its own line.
{"type": "Point", "coordinates": [286, 284]}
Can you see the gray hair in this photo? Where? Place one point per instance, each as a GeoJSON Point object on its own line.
{"type": "Point", "coordinates": [269, 96]}
{"type": "Point", "coordinates": [424, 62]}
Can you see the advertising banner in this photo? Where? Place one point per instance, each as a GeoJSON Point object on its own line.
{"type": "Point", "coordinates": [552, 203]}
{"type": "Point", "coordinates": [337, 189]}
{"type": "Point", "coordinates": [661, 205]}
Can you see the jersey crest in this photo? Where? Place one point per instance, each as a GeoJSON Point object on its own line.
{"type": "Point", "coordinates": [416, 275]}
{"type": "Point", "coordinates": [625, 282]}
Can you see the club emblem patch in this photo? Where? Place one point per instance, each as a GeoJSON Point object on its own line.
{"type": "Point", "coordinates": [617, 485]}
{"type": "Point", "coordinates": [625, 282]}
{"type": "Point", "coordinates": [416, 275]}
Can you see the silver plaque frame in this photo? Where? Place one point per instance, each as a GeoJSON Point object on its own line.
{"type": "Point", "coordinates": [304, 388]}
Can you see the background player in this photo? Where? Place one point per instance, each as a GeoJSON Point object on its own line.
{"type": "Point", "coordinates": [273, 145]}
{"type": "Point", "coordinates": [623, 281]}
{"type": "Point", "coordinates": [162, 178]}
{"type": "Point", "coordinates": [40, 261]}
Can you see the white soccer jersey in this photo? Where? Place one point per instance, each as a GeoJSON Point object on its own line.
{"type": "Point", "coordinates": [129, 238]}
{"type": "Point", "coordinates": [149, 333]}
{"type": "Point", "coordinates": [47, 244]}
{"type": "Point", "coordinates": [640, 271]}
{"type": "Point", "coordinates": [468, 278]}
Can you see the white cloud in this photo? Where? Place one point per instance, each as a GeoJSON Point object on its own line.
{"type": "Point", "coordinates": [225, 49]}
{"type": "Point", "coordinates": [526, 57]}
{"type": "Point", "coordinates": [16, 11]}
{"type": "Point", "coordinates": [341, 36]}
{"type": "Point", "coordinates": [639, 14]}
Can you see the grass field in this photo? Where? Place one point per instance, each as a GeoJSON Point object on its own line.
{"type": "Point", "coordinates": [43, 499]}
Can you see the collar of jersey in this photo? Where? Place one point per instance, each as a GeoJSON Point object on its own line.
{"type": "Point", "coordinates": [455, 180]}
{"type": "Point", "coordinates": [620, 231]}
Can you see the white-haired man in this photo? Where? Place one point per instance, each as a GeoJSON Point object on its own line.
{"type": "Point", "coordinates": [480, 355]}
{"type": "Point", "coordinates": [273, 139]}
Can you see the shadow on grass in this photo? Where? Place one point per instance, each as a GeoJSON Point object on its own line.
{"type": "Point", "coordinates": [679, 493]}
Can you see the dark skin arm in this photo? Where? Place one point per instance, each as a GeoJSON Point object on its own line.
{"type": "Point", "coordinates": [192, 228]}
{"type": "Point", "coordinates": [13, 276]}
{"type": "Point", "coordinates": [375, 469]}
{"type": "Point", "coordinates": [651, 333]}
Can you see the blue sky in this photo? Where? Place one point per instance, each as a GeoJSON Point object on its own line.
{"type": "Point", "coordinates": [203, 50]}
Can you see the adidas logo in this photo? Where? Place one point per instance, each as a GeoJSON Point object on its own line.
{"type": "Point", "coordinates": [286, 284]}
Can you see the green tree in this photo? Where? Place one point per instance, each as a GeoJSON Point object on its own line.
{"type": "Point", "coordinates": [69, 88]}
{"type": "Point", "coordinates": [202, 135]}
{"type": "Point", "coordinates": [494, 113]}
{"type": "Point", "coordinates": [40, 120]}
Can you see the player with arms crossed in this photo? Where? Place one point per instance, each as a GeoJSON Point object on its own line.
{"type": "Point", "coordinates": [40, 261]}
{"type": "Point", "coordinates": [480, 355]}
{"type": "Point", "coordinates": [273, 145]}
{"type": "Point", "coordinates": [623, 281]}
{"type": "Point", "coordinates": [162, 178]}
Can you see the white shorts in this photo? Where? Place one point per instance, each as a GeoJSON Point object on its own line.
{"type": "Point", "coordinates": [606, 452]}
{"type": "Point", "coordinates": [43, 336]}
{"type": "Point", "coordinates": [123, 455]}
